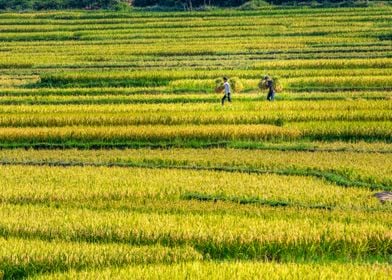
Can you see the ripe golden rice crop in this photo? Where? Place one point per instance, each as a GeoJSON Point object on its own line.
{"type": "Point", "coordinates": [118, 161]}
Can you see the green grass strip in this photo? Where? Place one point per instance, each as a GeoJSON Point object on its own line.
{"type": "Point", "coordinates": [248, 145]}
{"type": "Point", "coordinates": [249, 200]}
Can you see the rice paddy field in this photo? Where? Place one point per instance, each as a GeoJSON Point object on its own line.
{"type": "Point", "coordinates": [118, 161]}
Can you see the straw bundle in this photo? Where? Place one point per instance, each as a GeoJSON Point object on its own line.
{"type": "Point", "coordinates": [278, 87]}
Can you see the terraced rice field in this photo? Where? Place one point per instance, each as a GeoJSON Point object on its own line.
{"type": "Point", "coordinates": [118, 161]}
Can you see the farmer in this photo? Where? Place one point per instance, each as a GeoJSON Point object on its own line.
{"type": "Point", "coordinates": [270, 85]}
{"type": "Point", "coordinates": [227, 91]}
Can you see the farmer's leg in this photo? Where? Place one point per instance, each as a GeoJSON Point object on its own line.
{"type": "Point", "coordinates": [272, 96]}
{"type": "Point", "coordinates": [229, 96]}
{"type": "Point", "coordinates": [223, 99]}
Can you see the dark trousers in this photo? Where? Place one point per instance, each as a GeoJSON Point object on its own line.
{"type": "Point", "coordinates": [228, 96]}
{"type": "Point", "coordinates": [271, 95]}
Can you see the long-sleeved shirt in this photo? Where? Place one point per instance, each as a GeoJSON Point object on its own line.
{"type": "Point", "coordinates": [227, 87]}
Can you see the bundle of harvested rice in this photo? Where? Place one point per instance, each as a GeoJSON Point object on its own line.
{"type": "Point", "coordinates": [263, 84]}
{"type": "Point", "coordinates": [276, 82]}
{"type": "Point", "coordinates": [235, 85]}
{"type": "Point", "coordinates": [219, 89]}
{"type": "Point", "coordinates": [219, 85]}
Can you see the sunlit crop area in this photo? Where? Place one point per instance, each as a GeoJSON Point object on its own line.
{"type": "Point", "coordinates": [117, 159]}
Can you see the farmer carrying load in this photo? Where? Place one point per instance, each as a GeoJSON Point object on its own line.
{"type": "Point", "coordinates": [227, 91]}
{"type": "Point", "coordinates": [269, 83]}
{"type": "Point", "coordinates": [272, 84]}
